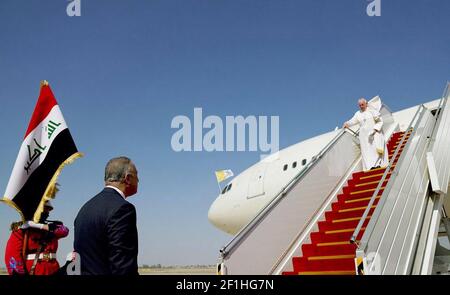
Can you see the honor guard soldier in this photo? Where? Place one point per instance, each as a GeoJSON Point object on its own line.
{"type": "Point", "coordinates": [31, 248]}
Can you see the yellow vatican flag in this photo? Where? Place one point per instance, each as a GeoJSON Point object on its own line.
{"type": "Point", "coordinates": [221, 175]}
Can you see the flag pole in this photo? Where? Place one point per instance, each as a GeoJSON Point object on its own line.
{"type": "Point", "coordinates": [220, 189]}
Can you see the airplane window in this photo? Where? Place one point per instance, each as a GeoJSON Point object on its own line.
{"type": "Point", "coordinates": [294, 164]}
{"type": "Point", "coordinates": [285, 167]}
{"type": "Point", "coordinates": [229, 187]}
{"type": "Point", "coordinates": [224, 190]}
{"type": "Point", "coordinates": [304, 162]}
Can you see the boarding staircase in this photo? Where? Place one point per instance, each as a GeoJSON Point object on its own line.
{"type": "Point", "coordinates": [332, 218]}
{"type": "Point", "coordinates": [331, 251]}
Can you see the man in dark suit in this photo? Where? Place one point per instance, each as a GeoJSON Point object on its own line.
{"type": "Point", "coordinates": [105, 227]}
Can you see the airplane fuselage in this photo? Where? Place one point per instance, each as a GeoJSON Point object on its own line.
{"type": "Point", "coordinates": [243, 197]}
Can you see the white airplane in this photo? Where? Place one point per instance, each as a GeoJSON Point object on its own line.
{"type": "Point", "coordinates": [244, 197]}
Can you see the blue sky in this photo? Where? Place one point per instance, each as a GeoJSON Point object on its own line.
{"type": "Point", "coordinates": [123, 69]}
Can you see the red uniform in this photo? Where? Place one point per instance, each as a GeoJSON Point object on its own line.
{"type": "Point", "coordinates": [16, 257]}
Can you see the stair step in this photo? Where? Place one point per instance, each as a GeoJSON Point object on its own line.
{"type": "Point", "coordinates": [337, 248]}
{"type": "Point", "coordinates": [391, 155]}
{"type": "Point", "coordinates": [320, 237]}
{"type": "Point", "coordinates": [362, 186]}
{"type": "Point", "coordinates": [370, 172]}
{"type": "Point", "coordinates": [328, 273]}
{"type": "Point", "coordinates": [330, 257]}
{"type": "Point", "coordinates": [352, 198]}
{"type": "Point", "coordinates": [347, 219]}
{"type": "Point", "coordinates": [309, 250]}
{"type": "Point", "coordinates": [364, 191]}
{"type": "Point", "coordinates": [400, 138]}
{"type": "Point", "coordinates": [302, 264]}
{"type": "Point", "coordinates": [330, 226]}
{"type": "Point", "coordinates": [374, 176]}
{"type": "Point", "coordinates": [360, 183]}
{"type": "Point", "coordinates": [359, 195]}
{"type": "Point", "coordinates": [352, 209]}
{"type": "Point", "coordinates": [330, 215]}
{"type": "Point", "coordinates": [353, 203]}
{"type": "Point", "coordinates": [391, 149]}
{"type": "Point", "coordinates": [394, 146]}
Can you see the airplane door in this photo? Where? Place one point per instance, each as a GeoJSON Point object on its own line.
{"type": "Point", "coordinates": [256, 183]}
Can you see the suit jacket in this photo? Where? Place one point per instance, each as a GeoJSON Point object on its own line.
{"type": "Point", "coordinates": [106, 235]}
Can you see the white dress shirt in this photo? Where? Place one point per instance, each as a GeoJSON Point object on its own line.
{"type": "Point", "coordinates": [117, 190]}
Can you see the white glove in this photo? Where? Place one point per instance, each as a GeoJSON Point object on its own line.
{"type": "Point", "coordinates": [28, 224]}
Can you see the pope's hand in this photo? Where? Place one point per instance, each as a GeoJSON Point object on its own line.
{"type": "Point", "coordinates": [345, 125]}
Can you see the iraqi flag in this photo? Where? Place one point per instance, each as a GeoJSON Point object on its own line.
{"type": "Point", "coordinates": [46, 148]}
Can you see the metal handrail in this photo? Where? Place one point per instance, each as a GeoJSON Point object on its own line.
{"type": "Point", "coordinates": [442, 102]}
{"type": "Point", "coordinates": [389, 168]}
{"type": "Point", "coordinates": [225, 250]}
{"type": "Point", "coordinates": [355, 133]}
{"type": "Point", "coordinates": [387, 108]}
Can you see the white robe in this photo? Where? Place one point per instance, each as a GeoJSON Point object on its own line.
{"type": "Point", "coordinates": [373, 146]}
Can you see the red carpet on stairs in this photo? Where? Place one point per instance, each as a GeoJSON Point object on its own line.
{"type": "Point", "coordinates": [330, 251]}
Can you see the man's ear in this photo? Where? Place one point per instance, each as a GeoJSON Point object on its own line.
{"type": "Point", "coordinates": [127, 178]}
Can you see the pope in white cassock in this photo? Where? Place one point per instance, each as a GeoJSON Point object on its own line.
{"type": "Point", "coordinates": [373, 146]}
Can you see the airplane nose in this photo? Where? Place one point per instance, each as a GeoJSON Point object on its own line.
{"type": "Point", "coordinates": [215, 215]}
{"type": "Point", "coordinates": [224, 217]}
